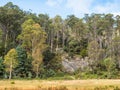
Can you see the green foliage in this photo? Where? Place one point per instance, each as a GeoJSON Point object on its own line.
{"type": "Point", "coordinates": [111, 67]}
{"type": "Point", "coordinates": [85, 75]}
{"type": "Point", "coordinates": [51, 64]}
{"type": "Point", "coordinates": [63, 77]}
{"type": "Point", "coordinates": [83, 53]}
{"type": "Point", "coordinates": [55, 63]}
{"type": "Point", "coordinates": [33, 39]}
{"type": "Point", "coordinates": [2, 49]}
{"type": "Point", "coordinates": [2, 67]}
{"type": "Point", "coordinates": [44, 21]}
{"type": "Point", "coordinates": [11, 61]}
{"type": "Point", "coordinates": [24, 67]}
{"type": "Point", "coordinates": [48, 56]}
{"type": "Point", "coordinates": [71, 20]}
{"type": "Point", "coordinates": [74, 47]}
{"type": "Point", "coordinates": [11, 17]}
{"type": "Point", "coordinates": [50, 73]}
{"type": "Point", "coordinates": [1, 44]}
{"type": "Point", "coordinates": [52, 61]}
{"type": "Point", "coordinates": [12, 82]}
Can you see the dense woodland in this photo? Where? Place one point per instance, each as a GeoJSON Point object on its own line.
{"type": "Point", "coordinates": [33, 46]}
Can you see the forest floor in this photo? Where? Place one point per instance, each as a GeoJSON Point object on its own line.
{"type": "Point", "coordinates": [89, 84]}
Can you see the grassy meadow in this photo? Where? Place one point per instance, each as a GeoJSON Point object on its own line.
{"type": "Point", "coordinates": [102, 84]}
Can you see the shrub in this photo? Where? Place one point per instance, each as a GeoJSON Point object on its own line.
{"type": "Point", "coordinates": [12, 82]}
{"type": "Point", "coordinates": [50, 73]}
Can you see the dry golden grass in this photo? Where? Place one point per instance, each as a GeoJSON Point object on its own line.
{"type": "Point", "coordinates": [56, 84]}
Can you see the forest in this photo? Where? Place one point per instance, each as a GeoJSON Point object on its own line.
{"type": "Point", "coordinates": [34, 46]}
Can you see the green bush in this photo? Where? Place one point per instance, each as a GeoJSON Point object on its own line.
{"type": "Point", "coordinates": [2, 68]}
{"type": "Point", "coordinates": [85, 75]}
{"type": "Point", "coordinates": [50, 73]}
{"type": "Point", "coordinates": [66, 77]}
{"type": "Point", "coordinates": [12, 82]}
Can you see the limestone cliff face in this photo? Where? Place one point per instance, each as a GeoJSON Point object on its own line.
{"type": "Point", "coordinates": [71, 65]}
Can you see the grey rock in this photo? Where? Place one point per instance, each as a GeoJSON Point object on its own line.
{"type": "Point", "coordinates": [71, 66]}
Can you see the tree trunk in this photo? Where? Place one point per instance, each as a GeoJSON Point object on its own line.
{"type": "Point", "coordinates": [10, 76]}
{"type": "Point", "coordinates": [57, 40]}
{"type": "Point", "coordinates": [63, 38]}
{"type": "Point", "coordinates": [6, 39]}
{"type": "Point", "coordinates": [51, 43]}
{"type": "Point", "coordinates": [37, 71]}
{"type": "Point", "coordinates": [51, 46]}
{"type": "Point", "coordinates": [48, 38]}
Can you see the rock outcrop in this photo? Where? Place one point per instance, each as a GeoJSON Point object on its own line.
{"type": "Point", "coordinates": [71, 65]}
